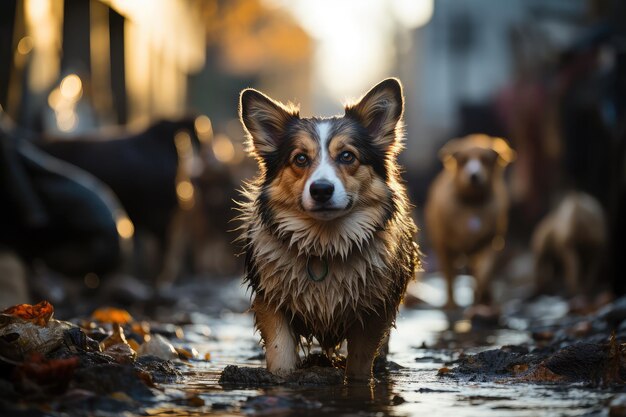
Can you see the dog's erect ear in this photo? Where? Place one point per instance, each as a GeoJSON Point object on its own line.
{"type": "Point", "coordinates": [447, 153]}
{"type": "Point", "coordinates": [380, 111]}
{"type": "Point", "coordinates": [265, 120]}
{"type": "Point", "coordinates": [506, 155]}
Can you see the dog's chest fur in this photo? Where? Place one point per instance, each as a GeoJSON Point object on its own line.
{"type": "Point", "coordinates": [365, 280]}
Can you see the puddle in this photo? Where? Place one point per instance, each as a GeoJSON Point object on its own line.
{"type": "Point", "coordinates": [425, 342]}
{"type": "Point", "coordinates": [415, 389]}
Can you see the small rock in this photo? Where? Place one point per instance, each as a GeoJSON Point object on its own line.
{"type": "Point", "coordinates": [316, 375]}
{"type": "Point", "coordinates": [162, 371]}
{"type": "Point", "coordinates": [243, 376]}
{"type": "Point", "coordinates": [614, 313]}
{"type": "Point", "coordinates": [158, 346]}
{"type": "Point", "coordinates": [121, 352]}
{"type": "Point", "coordinates": [106, 379]}
{"type": "Point", "coordinates": [397, 400]}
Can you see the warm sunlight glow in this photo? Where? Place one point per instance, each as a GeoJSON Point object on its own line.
{"type": "Point", "coordinates": [223, 149]}
{"type": "Point", "coordinates": [356, 38]}
{"type": "Point", "coordinates": [43, 26]}
{"type": "Point", "coordinates": [182, 141]}
{"type": "Point", "coordinates": [204, 128]}
{"type": "Point", "coordinates": [184, 190]}
{"type": "Point", "coordinates": [54, 99]}
{"type": "Point", "coordinates": [67, 120]}
{"type": "Point", "coordinates": [25, 45]}
{"type": "Point", "coordinates": [413, 13]}
{"type": "Point", "coordinates": [125, 227]}
{"type": "Point", "coordinates": [71, 87]}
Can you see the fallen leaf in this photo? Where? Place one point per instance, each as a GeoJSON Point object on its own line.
{"type": "Point", "coordinates": [54, 374]}
{"type": "Point", "coordinates": [121, 396]}
{"type": "Point", "coordinates": [542, 374]}
{"type": "Point", "coordinates": [194, 401]}
{"type": "Point", "coordinates": [39, 314]}
{"type": "Point", "coordinates": [519, 368]}
{"type": "Point", "coordinates": [112, 315]}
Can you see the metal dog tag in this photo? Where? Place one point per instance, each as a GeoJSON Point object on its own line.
{"type": "Point", "coordinates": [317, 269]}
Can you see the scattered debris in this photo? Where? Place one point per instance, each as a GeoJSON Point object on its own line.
{"type": "Point", "coordinates": [93, 365]}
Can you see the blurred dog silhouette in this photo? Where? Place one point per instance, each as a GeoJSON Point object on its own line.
{"type": "Point", "coordinates": [466, 210]}
{"type": "Point", "coordinates": [568, 245]}
{"type": "Point", "coordinates": [178, 201]}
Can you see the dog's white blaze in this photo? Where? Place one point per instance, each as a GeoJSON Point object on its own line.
{"type": "Point", "coordinates": [325, 171]}
{"type": "Point", "coordinates": [473, 166]}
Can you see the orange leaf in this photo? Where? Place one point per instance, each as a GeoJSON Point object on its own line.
{"type": "Point", "coordinates": [112, 315]}
{"type": "Point", "coordinates": [38, 314]}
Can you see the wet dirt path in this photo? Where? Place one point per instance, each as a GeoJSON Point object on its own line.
{"type": "Point", "coordinates": [415, 389]}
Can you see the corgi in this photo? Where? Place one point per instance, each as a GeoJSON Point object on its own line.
{"type": "Point", "coordinates": [326, 227]}
{"type": "Point", "coordinates": [466, 211]}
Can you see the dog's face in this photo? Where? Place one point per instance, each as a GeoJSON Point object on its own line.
{"type": "Point", "coordinates": [324, 168]}
{"type": "Point", "coordinates": [475, 160]}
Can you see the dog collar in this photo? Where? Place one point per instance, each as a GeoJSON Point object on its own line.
{"type": "Point", "coordinates": [317, 268]}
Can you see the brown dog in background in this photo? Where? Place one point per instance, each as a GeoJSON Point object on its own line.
{"type": "Point", "coordinates": [569, 243]}
{"type": "Point", "coordinates": [466, 211]}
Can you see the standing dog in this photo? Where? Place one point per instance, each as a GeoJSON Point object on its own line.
{"type": "Point", "coordinates": [466, 210]}
{"type": "Point", "coordinates": [570, 242]}
{"type": "Point", "coordinates": [326, 225]}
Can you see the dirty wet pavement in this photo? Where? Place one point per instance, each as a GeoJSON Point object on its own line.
{"type": "Point", "coordinates": [533, 363]}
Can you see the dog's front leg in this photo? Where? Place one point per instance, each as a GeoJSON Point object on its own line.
{"type": "Point", "coordinates": [482, 268]}
{"type": "Point", "coordinates": [364, 340]}
{"type": "Point", "coordinates": [571, 270]}
{"type": "Point", "coordinates": [281, 350]}
{"type": "Point", "coordinates": [446, 262]}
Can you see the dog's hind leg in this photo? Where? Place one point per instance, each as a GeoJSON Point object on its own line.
{"type": "Point", "coordinates": [364, 340]}
{"type": "Point", "coordinates": [281, 350]}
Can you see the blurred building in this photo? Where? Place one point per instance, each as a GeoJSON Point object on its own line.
{"type": "Point", "coordinates": [465, 55]}
{"type": "Point", "coordinates": [72, 65]}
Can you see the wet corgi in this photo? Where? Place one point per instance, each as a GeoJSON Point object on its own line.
{"type": "Point", "coordinates": [326, 226]}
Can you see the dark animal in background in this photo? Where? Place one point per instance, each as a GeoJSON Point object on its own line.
{"type": "Point", "coordinates": [466, 211]}
{"type": "Point", "coordinates": [170, 192]}
{"type": "Point", "coordinates": [568, 245]}
{"type": "Point", "coordinates": [140, 168]}
{"type": "Point", "coordinates": [53, 212]}
{"type": "Point", "coordinates": [327, 228]}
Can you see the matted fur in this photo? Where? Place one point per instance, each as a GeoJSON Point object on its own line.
{"type": "Point", "coordinates": [370, 249]}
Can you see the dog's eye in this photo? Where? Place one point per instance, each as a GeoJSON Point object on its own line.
{"type": "Point", "coordinates": [301, 160]}
{"type": "Point", "coordinates": [346, 157]}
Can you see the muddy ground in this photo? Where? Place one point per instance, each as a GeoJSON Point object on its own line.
{"type": "Point", "coordinates": [537, 359]}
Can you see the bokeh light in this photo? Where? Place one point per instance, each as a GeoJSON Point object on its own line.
{"type": "Point", "coordinates": [125, 227]}
{"type": "Point", "coordinates": [223, 148]}
{"type": "Point", "coordinates": [71, 87]}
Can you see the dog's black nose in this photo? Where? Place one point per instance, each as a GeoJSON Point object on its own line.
{"type": "Point", "coordinates": [474, 179]}
{"type": "Point", "coordinates": [321, 190]}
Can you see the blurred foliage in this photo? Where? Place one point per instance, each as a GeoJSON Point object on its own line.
{"type": "Point", "coordinates": [251, 37]}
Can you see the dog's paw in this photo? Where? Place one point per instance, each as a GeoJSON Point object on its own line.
{"type": "Point", "coordinates": [281, 371]}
